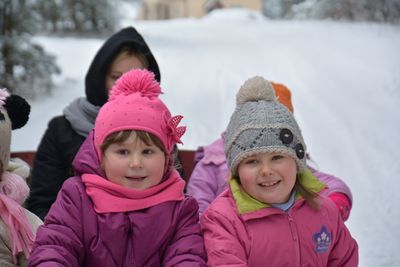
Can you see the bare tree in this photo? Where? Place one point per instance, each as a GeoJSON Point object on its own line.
{"type": "Point", "coordinates": [355, 10]}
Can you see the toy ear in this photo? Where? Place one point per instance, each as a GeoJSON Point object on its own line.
{"type": "Point", "coordinates": [18, 111]}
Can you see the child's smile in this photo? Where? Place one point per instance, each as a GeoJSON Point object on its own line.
{"type": "Point", "coordinates": [269, 185]}
{"type": "Point", "coordinates": [136, 179]}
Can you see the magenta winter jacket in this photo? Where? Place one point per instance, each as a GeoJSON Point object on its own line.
{"type": "Point", "coordinates": [210, 175]}
{"type": "Point", "coordinates": [167, 234]}
{"type": "Point", "coordinates": [272, 237]}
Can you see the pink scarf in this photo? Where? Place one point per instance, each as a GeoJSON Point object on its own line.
{"type": "Point", "coordinates": [13, 192]}
{"type": "Point", "coordinates": [111, 197]}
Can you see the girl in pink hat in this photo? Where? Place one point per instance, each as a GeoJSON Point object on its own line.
{"type": "Point", "coordinates": [125, 206]}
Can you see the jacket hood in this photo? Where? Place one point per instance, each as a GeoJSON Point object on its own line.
{"type": "Point", "coordinates": [86, 159]}
{"type": "Point", "coordinates": [95, 78]}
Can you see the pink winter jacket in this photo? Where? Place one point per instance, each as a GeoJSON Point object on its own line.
{"type": "Point", "coordinates": [272, 237]}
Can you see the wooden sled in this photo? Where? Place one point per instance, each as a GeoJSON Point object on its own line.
{"type": "Point", "coordinates": [186, 157]}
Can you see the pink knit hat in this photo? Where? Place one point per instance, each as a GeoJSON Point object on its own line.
{"type": "Point", "coordinates": [133, 104]}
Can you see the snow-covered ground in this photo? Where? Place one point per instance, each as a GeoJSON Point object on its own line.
{"type": "Point", "coordinates": [346, 90]}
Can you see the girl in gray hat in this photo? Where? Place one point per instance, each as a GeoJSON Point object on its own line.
{"type": "Point", "coordinates": [272, 213]}
{"type": "Point", "coordinates": [209, 177]}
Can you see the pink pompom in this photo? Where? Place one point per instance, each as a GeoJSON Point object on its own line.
{"type": "Point", "coordinates": [136, 81]}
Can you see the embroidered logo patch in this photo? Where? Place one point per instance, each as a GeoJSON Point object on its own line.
{"type": "Point", "coordinates": [322, 240]}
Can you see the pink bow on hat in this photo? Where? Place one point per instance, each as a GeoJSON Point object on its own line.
{"type": "Point", "coordinates": [174, 131]}
{"type": "Point", "coordinates": [3, 95]}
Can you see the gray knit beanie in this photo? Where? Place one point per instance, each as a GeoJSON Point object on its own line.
{"type": "Point", "coordinates": [261, 124]}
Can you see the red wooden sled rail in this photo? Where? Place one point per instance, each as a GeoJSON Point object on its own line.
{"type": "Point", "coordinates": [186, 157]}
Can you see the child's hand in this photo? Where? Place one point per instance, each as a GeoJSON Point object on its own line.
{"type": "Point", "coordinates": [342, 203]}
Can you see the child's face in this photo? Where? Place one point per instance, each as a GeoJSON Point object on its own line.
{"type": "Point", "coordinates": [133, 164]}
{"type": "Point", "coordinates": [119, 66]}
{"type": "Point", "coordinates": [268, 177]}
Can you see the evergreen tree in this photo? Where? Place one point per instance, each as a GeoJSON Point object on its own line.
{"type": "Point", "coordinates": [25, 68]}
{"type": "Point", "coordinates": [77, 16]}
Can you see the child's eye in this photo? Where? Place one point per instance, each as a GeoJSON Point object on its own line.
{"type": "Point", "coordinates": [251, 161]}
{"type": "Point", "coordinates": [122, 152]}
{"type": "Point", "coordinates": [277, 157]}
{"type": "Point", "coordinates": [115, 77]}
{"type": "Point", "coordinates": [148, 151]}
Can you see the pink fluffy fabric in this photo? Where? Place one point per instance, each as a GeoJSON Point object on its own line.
{"type": "Point", "coordinates": [13, 192]}
{"type": "Point", "coordinates": [111, 197]}
{"type": "Point", "coordinates": [14, 187]}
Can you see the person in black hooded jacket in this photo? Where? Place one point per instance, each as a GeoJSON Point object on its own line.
{"type": "Point", "coordinates": [124, 50]}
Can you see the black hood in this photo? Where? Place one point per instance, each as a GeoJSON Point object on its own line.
{"type": "Point", "coordinates": [95, 78]}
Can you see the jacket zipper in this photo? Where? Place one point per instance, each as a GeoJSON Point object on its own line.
{"type": "Point", "coordinates": [295, 237]}
{"type": "Point", "coordinates": [131, 261]}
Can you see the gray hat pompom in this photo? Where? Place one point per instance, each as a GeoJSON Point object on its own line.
{"type": "Point", "coordinates": [255, 89]}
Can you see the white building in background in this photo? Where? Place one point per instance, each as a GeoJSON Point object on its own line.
{"type": "Point", "coordinates": [169, 9]}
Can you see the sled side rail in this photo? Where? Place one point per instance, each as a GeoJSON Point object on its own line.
{"type": "Point", "coordinates": [186, 157]}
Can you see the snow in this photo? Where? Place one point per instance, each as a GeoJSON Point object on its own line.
{"type": "Point", "coordinates": [344, 79]}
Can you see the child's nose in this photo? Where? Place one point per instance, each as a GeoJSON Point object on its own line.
{"type": "Point", "coordinates": [266, 170]}
{"type": "Point", "coordinates": [135, 162]}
